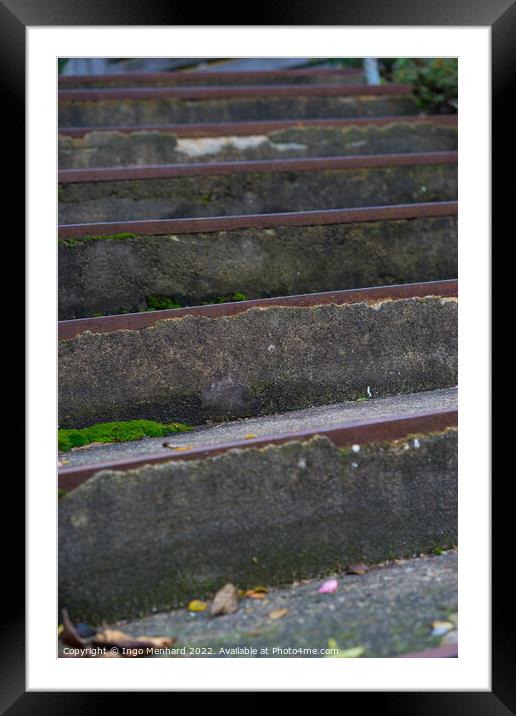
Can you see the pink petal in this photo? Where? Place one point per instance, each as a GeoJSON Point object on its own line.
{"type": "Point", "coordinates": [329, 587]}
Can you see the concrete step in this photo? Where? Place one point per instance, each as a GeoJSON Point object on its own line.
{"type": "Point", "coordinates": [258, 357]}
{"type": "Point", "coordinates": [296, 421]}
{"type": "Point", "coordinates": [218, 75]}
{"type": "Point", "coordinates": [229, 188]}
{"type": "Point", "coordinates": [162, 105]}
{"type": "Point", "coordinates": [124, 146]}
{"type": "Point", "coordinates": [206, 259]}
{"type": "Point", "coordinates": [155, 537]}
{"type": "Point", "coordinates": [388, 612]}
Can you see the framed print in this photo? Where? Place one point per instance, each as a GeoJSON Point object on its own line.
{"type": "Point", "coordinates": [259, 377]}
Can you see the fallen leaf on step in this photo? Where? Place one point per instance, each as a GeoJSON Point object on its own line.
{"type": "Point", "coordinates": [329, 587]}
{"type": "Point", "coordinates": [440, 628]}
{"type": "Point", "coordinates": [108, 638]}
{"type": "Point", "coordinates": [196, 605]}
{"type": "Point", "coordinates": [352, 653]}
{"type": "Point", "coordinates": [89, 445]}
{"type": "Point", "coordinates": [250, 436]}
{"type": "Point", "coordinates": [357, 569]}
{"type": "Point", "coordinates": [225, 601]}
{"type": "Point", "coordinates": [121, 640]}
{"type": "Point", "coordinates": [256, 593]}
{"type": "Point", "coordinates": [278, 613]}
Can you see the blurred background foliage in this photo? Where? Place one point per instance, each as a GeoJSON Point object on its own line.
{"type": "Point", "coordinates": [434, 79]}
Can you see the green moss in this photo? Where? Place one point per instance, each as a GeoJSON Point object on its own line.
{"type": "Point", "coordinates": [438, 551]}
{"type": "Point", "coordinates": [75, 242]}
{"type": "Point", "coordinates": [160, 303]}
{"type": "Point", "coordinates": [228, 298]}
{"type": "Point", "coordinates": [116, 432]}
{"type": "Point", "coordinates": [60, 493]}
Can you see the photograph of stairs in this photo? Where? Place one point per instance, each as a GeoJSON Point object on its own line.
{"type": "Point", "coordinates": [258, 358]}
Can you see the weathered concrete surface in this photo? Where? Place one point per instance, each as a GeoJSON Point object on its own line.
{"type": "Point", "coordinates": [388, 611]}
{"type": "Point", "coordinates": [165, 111]}
{"type": "Point", "coordinates": [320, 417]}
{"type": "Point", "coordinates": [118, 275]}
{"type": "Point", "coordinates": [254, 193]}
{"type": "Point", "coordinates": [154, 538]}
{"type": "Point", "coordinates": [217, 76]}
{"type": "Point", "coordinates": [259, 362]}
{"type": "Point", "coordinates": [103, 149]}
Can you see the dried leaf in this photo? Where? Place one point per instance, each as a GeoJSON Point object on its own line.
{"type": "Point", "coordinates": [225, 601]}
{"type": "Point", "coordinates": [329, 587]}
{"type": "Point", "coordinates": [256, 593]}
{"type": "Point", "coordinates": [197, 605]}
{"type": "Point", "coordinates": [357, 569]}
{"type": "Point", "coordinates": [89, 445]}
{"type": "Point", "coordinates": [158, 642]}
{"type": "Point", "coordinates": [278, 613]}
{"type": "Point", "coordinates": [440, 628]}
{"type": "Point", "coordinates": [108, 638]}
{"type": "Point", "coordinates": [116, 638]}
{"type": "Point", "coordinates": [183, 447]}
{"type": "Point", "coordinates": [352, 653]}
{"type": "Point", "coordinates": [250, 436]}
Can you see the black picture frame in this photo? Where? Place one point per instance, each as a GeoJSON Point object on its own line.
{"type": "Point", "coordinates": [500, 15]}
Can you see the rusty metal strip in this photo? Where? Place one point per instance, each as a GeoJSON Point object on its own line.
{"type": "Point", "coordinates": [222, 129]}
{"type": "Point", "coordinates": [359, 432]}
{"type": "Point", "coordinates": [203, 225]}
{"type": "Point", "coordinates": [231, 91]}
{"type": "Point", "coordinates": [194, 77]}
{"type": "Point", "coordinates": [449, 651]}
{"type": "Point", "coordinates": [137, 321]}
{"type": "Point", "coordinates": [253, 166]}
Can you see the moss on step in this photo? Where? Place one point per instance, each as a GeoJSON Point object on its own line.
{"type": "Point", "coordinates": [108, 237]}
{"type": "Point", "coordinates": [160, 303]}
{"type": "Point", "coordinates": [116, 432]}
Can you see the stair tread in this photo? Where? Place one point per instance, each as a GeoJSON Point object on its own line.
{"type": "Point", "coordinates": [388, 611]}
{"type": "Point", "coordinates": [314, 418]}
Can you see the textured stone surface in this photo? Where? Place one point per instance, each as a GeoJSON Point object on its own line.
{"type": "Point", "coordinates": [102, 149]}
{"type": "Point", "coordinates": [258, 362]}
{"type": "Point", "coordinates": [155, 537]}
{"type": "Point", "coordinates": [108, 113]}
{"type": "Point", "coordinates": [118, 275]}
{"type": "Point", "coordinates": [204, 78]}
{"type": "Point", "coordinates": [388, 611]}
{"type": "Point", "coordinates": [229, 194]}
{"type": "Point", "coordinates": [321, 417]}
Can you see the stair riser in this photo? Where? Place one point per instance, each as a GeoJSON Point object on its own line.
{"type": "Point", "coordinates": [258, 362]}
{"type": "Point", "coordinates": [115, 275]}
{"type": "Point", "coordinates": [208, 79]}
{"type": "Point", "coordinates": [154, 538]}
{"type": "Point", "coordinates": [102, 149]}
{"type": "Point", "coordinates": [158, 111]}
{"type": "Point", "coordinates": [250, 193]}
